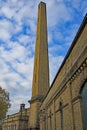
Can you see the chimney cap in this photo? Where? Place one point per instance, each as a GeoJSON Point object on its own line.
{"type": "Point", "coordinates": [42, 2]}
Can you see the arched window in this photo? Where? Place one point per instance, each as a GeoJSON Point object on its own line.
{"type": "Point", "coordinates": [84, 105]}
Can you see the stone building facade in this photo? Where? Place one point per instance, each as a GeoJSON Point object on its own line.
{"type": "Point", "coordinates": [17, 121]}
{"type": "Point", "coordinates": [63, 105]}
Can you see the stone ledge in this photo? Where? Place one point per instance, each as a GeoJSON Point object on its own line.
{"type": "Point", "coordinates": [36, 98]}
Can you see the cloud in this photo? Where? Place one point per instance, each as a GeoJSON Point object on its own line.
{"type": "Point", "coordinates": [57, 8]}
{"type": "Point", "coordinates": [55, 63]}
{"type": "Point", "coordinates": [15, 103]}
{"type": "Point", "coordinates": [18, 20]}
{"type": "Point", "coordinates": [5, 29]}
{"type": "Point", "coordinates": [7, 12]}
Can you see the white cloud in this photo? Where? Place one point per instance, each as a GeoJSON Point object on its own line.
{"type": "Point", "coordinates": [3, 67]}
{"type": "Point", "coordinates": [4, 35]}
{"type": "Point", "coordinates": [7, 11]}
{"type": "Point", "coordinates": [55, 49]}
{"type": "Point", "coordinates": [59, 12]}
{"type": "Point", "coordinates": [55, 63]}
{"type": "Point", "coordinates": [17, 51]}
{"type": "Point", "coordinates": [15, 103]}
{"type": "Point", "coordinates": [6, 29]}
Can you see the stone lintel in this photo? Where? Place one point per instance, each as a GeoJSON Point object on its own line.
{"type": "Point", "coordinates": [76, 98]}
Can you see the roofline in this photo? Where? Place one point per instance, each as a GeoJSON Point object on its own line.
{"type": "Point", "coordinates": [16, 113]}
{"type": "Point", "coordinates": [84, 22]}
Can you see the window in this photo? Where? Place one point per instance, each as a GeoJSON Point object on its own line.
{"type": "Point", "coordinates": [61, 116]}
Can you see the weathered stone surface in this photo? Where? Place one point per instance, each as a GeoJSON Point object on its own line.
{"type": "Point", "coordinates": [41, 67]}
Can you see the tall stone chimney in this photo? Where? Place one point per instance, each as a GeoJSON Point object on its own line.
{"type": "Point", "coordinates": [40, 83]}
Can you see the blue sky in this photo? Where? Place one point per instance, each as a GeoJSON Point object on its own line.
{"type": "Point", "coordinates": [18, 20]}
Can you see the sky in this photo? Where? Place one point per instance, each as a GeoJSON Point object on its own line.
{"type": "Point", "coordinates": [18, 21]}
